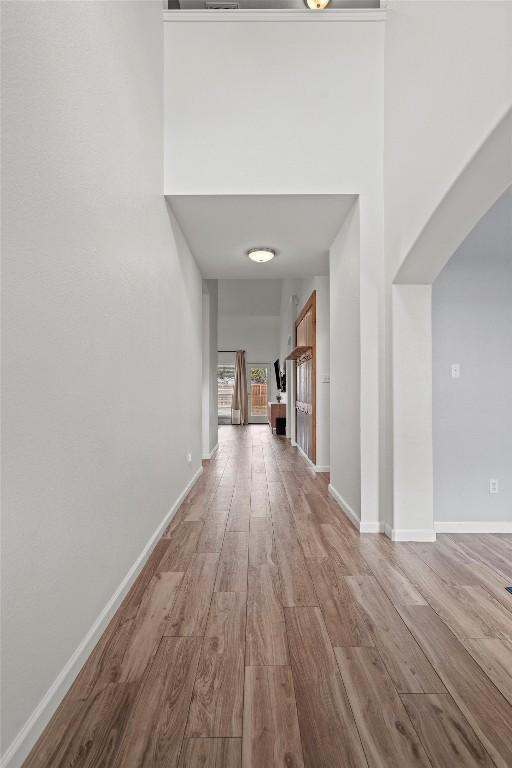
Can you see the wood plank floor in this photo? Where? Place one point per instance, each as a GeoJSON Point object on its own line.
{"type": "Point", "coordinates": [264, 631]}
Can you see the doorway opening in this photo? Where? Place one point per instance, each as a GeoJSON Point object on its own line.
{"type": "Point", "coordinates": [225, 387]}
{"type": "Point", "coordinates": [258, 389]}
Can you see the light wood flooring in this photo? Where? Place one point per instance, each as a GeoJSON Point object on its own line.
{"type": "Point", "coordinates": [265, 631]}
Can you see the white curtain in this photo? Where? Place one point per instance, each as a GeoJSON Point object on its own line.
{"type": "Point", "coordinates": [239, 400]}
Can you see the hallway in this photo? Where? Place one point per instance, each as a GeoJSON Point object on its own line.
{"type": "Point", "coordinates": [265, 631]}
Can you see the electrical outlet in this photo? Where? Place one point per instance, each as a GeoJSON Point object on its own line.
{"type": "Point", "coordinates": [494, 486]}
{"type": "Point", "coordinates": [455, 370]}
{"type": "Point", "coordinates": [189, 458]}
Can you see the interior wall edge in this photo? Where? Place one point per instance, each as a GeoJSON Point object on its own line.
{"type": "Point", "coordinates": [363, 526]}
{"type": "Point", "coordinates": [210, 455]}
{"type": "Point", "coordinates": [345, 507]}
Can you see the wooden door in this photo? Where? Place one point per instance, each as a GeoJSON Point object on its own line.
{"type": "Point", "coordinates": [305, 393]}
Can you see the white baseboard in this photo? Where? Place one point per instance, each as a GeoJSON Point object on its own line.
{"type": "Point", "coordinates": [473, 526]}
{"type": "Point", "coordinates": [375, 526]}
{"type": "Point", "coordinates": [410, 534]}
{"type": "Point", "coordinates": [345, 508]}
{"type": "Point", "coordinates": [305, 456]}
{"type": "Point", "coordinates": [361, 525]}
{"type": "Point", "coordinates": [208, 456]}
{"type": "Point", "coordinates": [17, 752]}
{"type": "Point", "coordinates": [314, 467]}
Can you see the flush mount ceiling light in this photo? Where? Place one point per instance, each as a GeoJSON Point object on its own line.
{"type": "Point", "coordinates": [317, 5]}
{"type": "Point", "coordinates": [261, 254]}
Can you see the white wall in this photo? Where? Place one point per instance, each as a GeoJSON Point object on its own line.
{"type": "Point", "coordinates": [210, 345]}
{"type": "Point", "coordinates": [253, 127]}
{"type": "Point", "coordinates": [446, 75]}
{"type": "Point", "coordinates": [448, 81]}
{"type": "Point", "coordinates": [472, 416]}
{"type": "Point", "coordinates": [250, 297]}
{"type": "Point", "coordinates": [332, 73]}
{"type": "Point", "coordinates": [412, 414]}
{"type": "Point", "coordinates": [101, 299]}
{"type": "Point", "coordinates": [258, 335]}
{"type": "Point", "coordinates": [345, 363]}
{"type": "Point", "coordinates": [290, 289]}
{"type": "Point", "coordinates": [242, 327]}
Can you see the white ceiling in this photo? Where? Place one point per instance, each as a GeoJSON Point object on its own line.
{"type": "Point", "coordinates": [221, 228]}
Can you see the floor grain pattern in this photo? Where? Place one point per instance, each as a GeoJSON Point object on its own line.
{"type": "Point", "coordinates": [271, 730]}
{"type": "Point", "coordinates": [211, 753]}
{"type": "Point", "coordinates": [329, 734]}
{"type": "Point", "coordinates": [216, 708]}
{"type": "Point", "coordinates": [189, 613]}
{"type": "Point", "coordinates": [265, 631]}
{"type": "Point", "coordinates": [446, 734]}
{"type": "Point", "coordinates": [158, 720]}
{"type": "Point", "coordinates": [385, 729]}
{"type": "Point", "coordinates": [488, 712]}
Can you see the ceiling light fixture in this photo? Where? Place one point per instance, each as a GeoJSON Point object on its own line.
{"type": "Point", "coordinates": [261, 254]}
{"type": "Point", "coordinates": [317, 5]}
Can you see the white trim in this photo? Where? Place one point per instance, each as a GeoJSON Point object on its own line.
{"type": "Point", "coordinates": [387, 529]}
{"type": "Point", "coordinates": [374, 526]}
{"type": "Point", "coordinates": [345, 508]}
{"type": "Point", "coordinates": [473, 526]}
{"type": "Point", "coordinates": [208, 456]}
{"type": "Point", "coordinates": [276, 14]}
{"type": "Point", "coordinates": [410, 534]}
{"type": "Point", "coordinates": [361, 525]}
{"type": "Point", "coordinates": [20, 747]}
{"type": "Point", "coordinates": [314, 467]}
